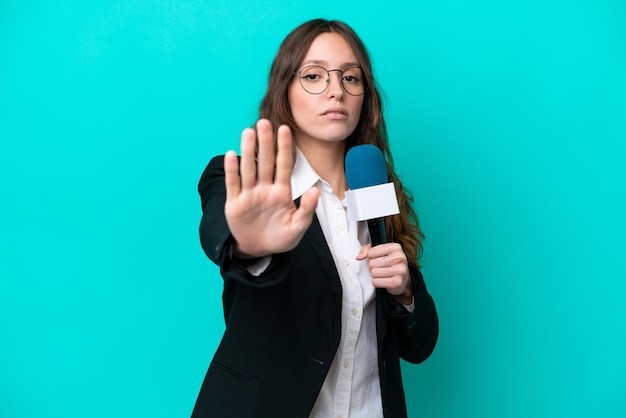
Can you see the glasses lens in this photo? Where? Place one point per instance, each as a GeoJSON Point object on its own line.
{"type": "Point", "coordinates": [314, 79]}
{"type": "Point", "coordinates": [352, 81]}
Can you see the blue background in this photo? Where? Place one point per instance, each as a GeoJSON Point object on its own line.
{"type": "Point", "coordinates": [507, 121]}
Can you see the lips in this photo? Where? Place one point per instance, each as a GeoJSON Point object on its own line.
{"type": "Point", "coordinates": [335, 111]}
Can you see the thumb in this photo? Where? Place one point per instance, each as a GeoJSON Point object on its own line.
{"type": "Point", "coordinates": [308, 203]}
{"type": "Point", "coordinates": [362, 255]}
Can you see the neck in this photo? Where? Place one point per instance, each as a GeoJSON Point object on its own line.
{"type": "Point", "coordinates": [327, 159]}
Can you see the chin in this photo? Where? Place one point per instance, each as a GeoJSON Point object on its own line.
{"type": "Point", "coordinates": [337, 135]}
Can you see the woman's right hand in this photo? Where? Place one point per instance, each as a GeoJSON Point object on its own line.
{"type": "Point", "coordinates": [260, 212]}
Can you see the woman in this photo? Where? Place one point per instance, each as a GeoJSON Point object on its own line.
{"type": "Point", "coordinates": [316, 318]}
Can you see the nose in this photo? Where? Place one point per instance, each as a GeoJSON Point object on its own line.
{"type": "Point", "coordinates": [335, 89]}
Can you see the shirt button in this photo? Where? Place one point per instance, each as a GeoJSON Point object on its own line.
{"type": "Point", "coordinates": [346, 263]}
{"type": "Point", "coordinates": [346, 364]}
{"type": "Point", "coordinates": [355, 311]}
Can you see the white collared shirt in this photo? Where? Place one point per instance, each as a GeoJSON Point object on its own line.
{"type": "Point", "coordinates": [352, 387]}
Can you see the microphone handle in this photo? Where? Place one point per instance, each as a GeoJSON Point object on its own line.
{"type": "Point", "coordinates": [377, 231]}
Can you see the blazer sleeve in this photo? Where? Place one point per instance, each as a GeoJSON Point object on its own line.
{"type": "Point", "coordinates": [215, 236]}
{"type": "Point", "coordinates": [417, 332]}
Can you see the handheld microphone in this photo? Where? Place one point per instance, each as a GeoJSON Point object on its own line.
{"type": "Point", "coordinates": [370, 197]}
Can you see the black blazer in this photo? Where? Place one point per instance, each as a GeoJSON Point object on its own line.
{"type": "Point", "coordinates": [283, 327]}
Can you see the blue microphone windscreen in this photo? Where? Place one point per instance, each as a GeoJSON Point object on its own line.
{"type": "Point", "coordinates": [365, 167]}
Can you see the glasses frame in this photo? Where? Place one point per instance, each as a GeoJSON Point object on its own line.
{"type": "Point", "coordinates": [299, 74]}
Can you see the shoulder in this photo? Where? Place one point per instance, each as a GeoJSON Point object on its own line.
{"type": "Point", "coordinates": [212, 178]}
{"type": "Point", "coordinates": [215, 167]}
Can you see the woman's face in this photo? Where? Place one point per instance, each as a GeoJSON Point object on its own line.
{"type": "Point", "coordinates": [334, 114]}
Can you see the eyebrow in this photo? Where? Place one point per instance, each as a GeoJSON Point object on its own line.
{"type": "Point", "coordinates": [322, 62]}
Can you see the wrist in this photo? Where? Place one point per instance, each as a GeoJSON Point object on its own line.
{"type": "Point", "coordinates": [404, 300]}
{"type": "Point", "coordinates": [406, 297]}
{"type": "Point", "coordinates": [238, 253]}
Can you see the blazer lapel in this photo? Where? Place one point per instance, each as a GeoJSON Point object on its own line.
{"type": "Point", "coordinates": [314, 236]}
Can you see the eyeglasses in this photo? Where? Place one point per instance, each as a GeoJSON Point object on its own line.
{"type": "Point", "coordinates": [315, 79]}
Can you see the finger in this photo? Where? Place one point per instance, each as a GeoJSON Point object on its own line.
{"type": "Point", "coordinates": [391, 265]}
{"type": "Point", "coordinates": [382, 249]}
{"type": "Point", "coordinates": [388, 271]}
{"type": "Point", "coordinates": [284, 158]}
{"type": "Point", "coordinates": [362, 255]}
{"type": "Point", "coordinates": [266, 153]}
{"type": "Point", "coordinates": [248, 163]}
{"type": "Point", "coordinates": [393, 285]}
{"type": "Point", "coordinates": [308, 202]}
{"type": "Point", "coordinates": [231, 172]}
{"type": "Point", "coordinates": [387, 282]}
{"type": "Point", "coordinates": [380, 262]}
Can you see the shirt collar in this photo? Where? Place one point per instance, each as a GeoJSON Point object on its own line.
{"type": "Point", "coordinates": [303, 176]}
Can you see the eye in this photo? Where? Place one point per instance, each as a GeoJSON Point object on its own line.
{"type": "Point", "coordinates": [352, 75]}
{"type": "Point", "coordinates": [313, 74]}
{"type": "Point", "coordinates": [311, 77]}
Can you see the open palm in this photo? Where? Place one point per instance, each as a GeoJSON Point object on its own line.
{"type": "Point", "coordinates": [259, 209]}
